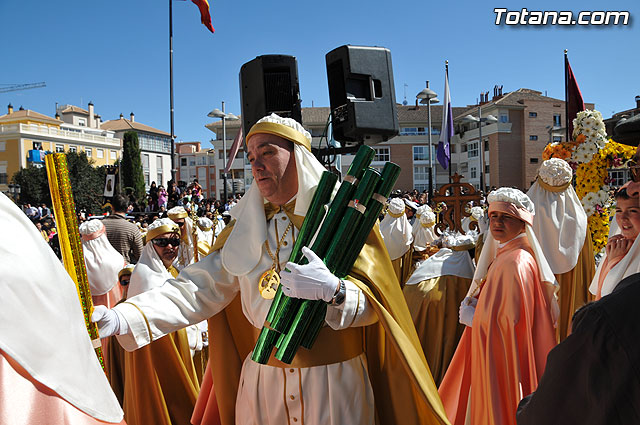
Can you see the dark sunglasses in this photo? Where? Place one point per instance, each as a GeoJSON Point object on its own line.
{"type": "Point", "coordinates": [162, 242]}
{"type": "Point", "coordinates": [124, 282]}
{"type": "Point", "coordinates": [634, 170]}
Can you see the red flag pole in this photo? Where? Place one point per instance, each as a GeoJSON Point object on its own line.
{"type": "Point", "coordinates": [566, 95]}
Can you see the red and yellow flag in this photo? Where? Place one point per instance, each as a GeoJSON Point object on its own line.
{"type": "Point", "coordinates": [205, 17]}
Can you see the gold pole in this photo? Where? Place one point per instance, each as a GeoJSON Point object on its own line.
{"type": "Point", "coordinates": [69, 239]}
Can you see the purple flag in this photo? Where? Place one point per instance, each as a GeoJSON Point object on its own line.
{"type": "Point", "coordinates": [443, 153]}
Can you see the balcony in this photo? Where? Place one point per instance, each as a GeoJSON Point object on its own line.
{"type": "Point", "coordinates": [57, 135]}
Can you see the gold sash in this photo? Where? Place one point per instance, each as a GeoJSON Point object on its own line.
{"type": "Point", "coordinates": [550, 188]}
{"type": "Point", "coordinates": [331, 347]}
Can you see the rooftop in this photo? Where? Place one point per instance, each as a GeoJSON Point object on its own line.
{"type": "Point", "coordinates": [125, 124]}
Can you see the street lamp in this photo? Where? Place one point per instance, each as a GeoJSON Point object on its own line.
{"type": "Point", "coordinates": [479, 119]}
{"type": "Point", "coordinates": [428, 96]}
{"type": "Point", "coordinates": [217, 113]}
{"type": "Point", "coordinates": [14, 190]}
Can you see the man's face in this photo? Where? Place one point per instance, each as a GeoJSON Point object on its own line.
{"type": "Point", "coordinates": [273, 166]}
{"type": "Point", "coordinates": [180, 222]}
{"type": "Point", "coordinates": [166, 246]}
{"type": "Point", "coordinates": [504, 227]}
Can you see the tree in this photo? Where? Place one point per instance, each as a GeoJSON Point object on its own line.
{"type": "Point", "coordinates": [132, 166]}
{"type": "Point", "coordinates": [87, 183]}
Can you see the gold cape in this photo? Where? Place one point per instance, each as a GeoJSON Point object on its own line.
{"type": "Point", "coordinates": [403, 387]}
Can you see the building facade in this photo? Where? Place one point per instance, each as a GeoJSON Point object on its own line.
{"type": "Point", "coordinates": [193, 162]}
{"type": "Point", "coordinates": [155, 147]}
{"type": "Point", "coordinates": [26, 135]}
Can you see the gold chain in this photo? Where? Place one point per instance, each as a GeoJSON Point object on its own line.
{"type": "Point", "coordinates": [276, 258]}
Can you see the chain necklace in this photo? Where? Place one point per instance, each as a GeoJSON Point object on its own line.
{"type": "Point", "coordinates": [270, 280]}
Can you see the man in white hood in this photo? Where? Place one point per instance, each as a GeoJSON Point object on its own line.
{"type": "Point", "coordinates": [348, 383]}
{"type": "Point", "coordinates": [397, 233]}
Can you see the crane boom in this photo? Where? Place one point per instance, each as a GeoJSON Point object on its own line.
{"type": "Point", "coordinates": [16, 87]}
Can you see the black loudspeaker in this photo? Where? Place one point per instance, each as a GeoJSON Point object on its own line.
{"type": "Point", "coordinates": [269, 83]}
{"type": "Point", "coordinates": [362, 94]}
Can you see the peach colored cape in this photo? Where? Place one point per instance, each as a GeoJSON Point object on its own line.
{"type": "Point", "coordinates": [501, 358]}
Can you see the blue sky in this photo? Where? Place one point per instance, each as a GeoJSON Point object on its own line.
{"type": "Point", "coordinates": [115, 53]}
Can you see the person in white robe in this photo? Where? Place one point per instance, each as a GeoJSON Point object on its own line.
{"type": "Point", "coordinates": [397, 233]}
{"type": "Point", "coordinates": [180, 216]}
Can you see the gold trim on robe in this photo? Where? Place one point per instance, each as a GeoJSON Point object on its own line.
{"type": "Point", "coordinates": [403, 266]}
{"type": "Point", "coordinates": [574, 288]}
{"type": "Point", "coordinates": [434, 304]}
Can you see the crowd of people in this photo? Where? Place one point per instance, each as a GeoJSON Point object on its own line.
{"type": "Point", "coordinates": [502, 319]}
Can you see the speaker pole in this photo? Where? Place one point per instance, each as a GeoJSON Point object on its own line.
{"type": "Point", "coordinates": [173, 137]}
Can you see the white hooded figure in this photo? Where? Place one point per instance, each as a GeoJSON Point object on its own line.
{"type": "Point", "coordinates": [103, 263]}
{"type": "Point", "coordinates": [185, 255]}
{"type": "Point", "coordinates": [49, 371]}
{"type": "Point", "coordinates": [397, 233]}
{"type": "Point", "coordinates": [424, 234]}
{"type": "Point", "coordinates": [433, 293]}
{"type": "Point", "coordinates": [396, 229]}
{"type": "Point", "coordinates": [476, 214]}
{"type": "Point", "coordinates": [560, 225]}
{"type": "Point", "coordinates": [419, 211]}
{"type": "Point", "coordinates": [205, 231]}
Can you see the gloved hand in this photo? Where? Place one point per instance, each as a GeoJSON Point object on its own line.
{"type": "Point", "coordinates": [312, 281]}
{"type": "Point", "coordinates": [109, 321]}
{"type": "Point", "coordinates": [467, 310]}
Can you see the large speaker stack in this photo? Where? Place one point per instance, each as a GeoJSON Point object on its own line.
{"type": "Point", "coordinates": [269, 84]}
{"type": "Point", "coordinates": [362, 94]}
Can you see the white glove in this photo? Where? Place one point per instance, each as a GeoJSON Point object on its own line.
{"type": "Point", "coordinates": [109, 321]}
{"type": "Point", "coordinates": [312, 281]}
{"type": "Point", "coordinates": [467, 310]}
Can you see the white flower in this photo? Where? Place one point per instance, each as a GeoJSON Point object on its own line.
{"type": "Point", "coordinates": [555, 172]}
{"type": "Point", "coordinates": [589, 211]}
{"type": "Point", "coordinates": [602, 197]}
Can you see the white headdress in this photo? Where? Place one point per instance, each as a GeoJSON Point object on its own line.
{"type": "Point", "coordinates": [396, 229]}
{"type": "Point", "coordinates": [452, 259]}
{"type": "Point", "coordinates": [102, 260]}
{"type": "Point", "coordinates": [423, 230]}
{"type": "Point", "coordinates": [561, 223]}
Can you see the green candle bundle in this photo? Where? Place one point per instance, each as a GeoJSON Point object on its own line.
{"type": "Point", "coordinates": [292, 322]}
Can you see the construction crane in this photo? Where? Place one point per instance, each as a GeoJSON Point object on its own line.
{"type": "Point", "coordinates": [16, 87]}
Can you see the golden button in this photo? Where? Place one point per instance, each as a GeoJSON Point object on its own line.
{"type": "Point", "coordinates": [285, 243]}
{"type": "Point", "coordinates": [295, 419]}
{"type": "Point", "coordinates": [284, 218]}
{"type": "Point", "coordinates": [291, 370]}
{"type": "Point", "coordinates": [292, 397]}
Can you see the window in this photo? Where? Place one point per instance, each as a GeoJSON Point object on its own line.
{"type": "Point", "coordinates": [618, 176]}
{"type": "Point", "coordinates": [472, 149]}
{"type": "Point", "coordinates": [464, 147]}
{"type": "Point", "coordinates": [420, 153]}
{"type": "Point", "coordinates": [452, 148]}
{"type": "Point", "coordinates": [420, 173]}
{"type": "Point", "coordinates": [37, 145]}
{"type": "Point", "coordinates": [474, 172]}
{"type": "Point", "coordinates": [486, 169]}
{"type": "Point", "coordinates": [533, 137]}
{"type": "Point", "coordinates": [82, 122]}
{"type": "Point", "coordinates": [3, 178]}
{"type": "Point", "coordinates": [383, 154]}
{"type": "Point", "coordinates": [557, 139]}
{"type": "Point", "coordinates": [486, 145]}
{"type": "Point", "coordinates": [88, 152]}
{"type": "Point", "coordinates": [220, 154]}
{"type": "Point", "coordinates": [147, 179]}
{"type": "Point", "coordinates": [557, 119]}
{"type": "Point", "coordinates": [113, 155]}
{"type": "Point", "coordinates": [183, 162]}
{"type": "Point", "coordinates": [60, 148]}
{"type": "Point", "coordinates": [533, 160]}
{"type": "Point", "coordinates": [3, 146]}
{"type": "Point", "coordinates": [421, 187]}
{"type": "Point", "coordinates": [192, 161]}
{"type": "Point", "coordinates": [504, 117]}
{"type": "Point", "coordinates": [202, 160]}
{"type": "Point", "coordinates": [155, 143]}
{"type": "Point", "coordinates": [145, 162]}
{"type": "Point", "coordinates": [212, 159]}
{"type": "Point", "coordinates": [533, 114]}
{"type": "Point", "coordinates": [464, 167]}
{"type": "Point", "coordinates": [409, 131]}
{"type": "Point", "coordinates": [159, 163]}
{"type": "Point", "coordinates": [100, 153]}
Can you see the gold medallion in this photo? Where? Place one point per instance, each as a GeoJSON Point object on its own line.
{"type": "Point", "coordinates": [268, 283]}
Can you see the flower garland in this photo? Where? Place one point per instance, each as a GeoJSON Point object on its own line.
{"type": "Point", "coordinates": [590, 154]}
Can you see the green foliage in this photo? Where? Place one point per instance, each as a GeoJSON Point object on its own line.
{"type": "Point", "coordinates": [87, 183]}
{"type": "Point", "coordinates": [132, 175]}
{"type": "Point", "coordinates": [34, 186]}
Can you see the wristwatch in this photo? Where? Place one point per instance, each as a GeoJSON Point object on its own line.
{"type": "Point", "coordinates": [340, 295]}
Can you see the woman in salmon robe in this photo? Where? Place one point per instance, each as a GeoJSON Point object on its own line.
{"type": "Point", "coordinates": [502, 356]}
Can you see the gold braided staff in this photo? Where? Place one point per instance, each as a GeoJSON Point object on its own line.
{"type": "Point", "coordinates": [69, 239]}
